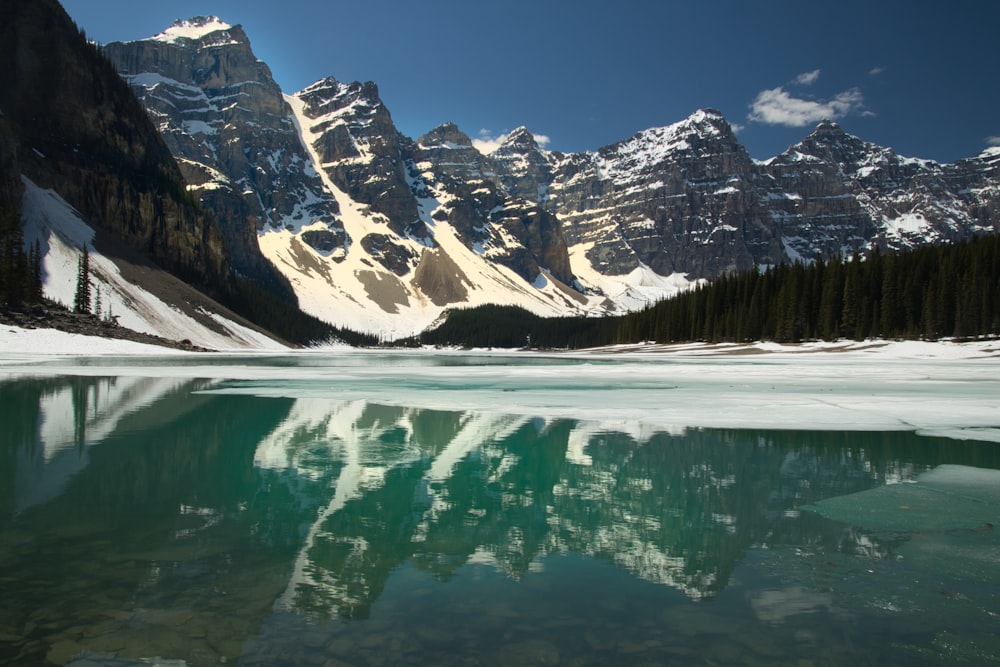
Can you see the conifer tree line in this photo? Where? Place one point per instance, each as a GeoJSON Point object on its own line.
{"type": "Point", "coordinates": [928, 293]}
{"type": "Point", "coordinates": [20, 270]}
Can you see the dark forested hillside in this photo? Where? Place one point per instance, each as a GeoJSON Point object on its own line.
{"type": "Point", "coordinates": [79, 130]}
{"type": "Point", "coordinates": [928, 293]}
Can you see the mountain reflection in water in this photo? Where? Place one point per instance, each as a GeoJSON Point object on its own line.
{"type": "Point", "coordinates": [135, 508]}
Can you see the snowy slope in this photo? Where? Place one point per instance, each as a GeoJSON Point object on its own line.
{"type": "Point", "coordinates": [62, 234]}
{"type": "Point", "coordinates": [353, 289]}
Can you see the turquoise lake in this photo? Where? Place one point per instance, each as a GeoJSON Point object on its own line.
{"type": "Point", "coordinates": [464, 510]}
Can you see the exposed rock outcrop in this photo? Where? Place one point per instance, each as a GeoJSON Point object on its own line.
{"type": "Point", "coordinates": [362, 151]}
{"type": "Point", "coordinates": [224, 117]}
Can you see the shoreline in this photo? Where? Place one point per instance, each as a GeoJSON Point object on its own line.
{"type": "Point", "coordinates": [40, 342]}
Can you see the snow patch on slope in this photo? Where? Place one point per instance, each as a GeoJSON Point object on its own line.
{"type": "Point", "coordinates": [62, 234]}
{"type": "Point", "coordinates": [633, 291]}
{"type": "Point", "coordinates": [907, 224]}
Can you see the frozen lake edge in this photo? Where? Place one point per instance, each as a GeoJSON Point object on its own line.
{"type": "Point", "coordinates": [935, 388]}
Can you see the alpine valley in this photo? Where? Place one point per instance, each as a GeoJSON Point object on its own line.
{"type": "Point", "coordinates": [378, 232]}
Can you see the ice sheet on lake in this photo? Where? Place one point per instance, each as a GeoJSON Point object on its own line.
{"type": "Point", "coordinates": [949, 497]}
{"type": "Point", "coordinates": [934, 389]}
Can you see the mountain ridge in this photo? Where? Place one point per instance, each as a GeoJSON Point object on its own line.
{"type": "Point", "coordinates": [376, 231]}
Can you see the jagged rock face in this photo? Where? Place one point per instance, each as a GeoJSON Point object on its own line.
{"type": "Point", "coordinates": [688, 198]}
{"type": "Point", "coordinates": [224, 117]}
{"type": "Point", "coordinates": [452, 170]}
{"type": "Point", "coordinates": [94, 145]}
{"type": "Point", "coordinates": [675, 199]}
{"type": "Point", "coordinates": [541, 244]}
{"type": "Point", "coordinates": [452, 154]}
{"type": "Point", "coordinates": [345, 206]}
{"type": "Point", "coordinates": [393, 256]}
{"type": "Point", "coordinates": [511, 231]}
{"type": "Point", "coordinates": [835, 194]}
{"type": "Point", "coordinates": [522, 167]}
{"type": "Point", "coordinates": [981, 175]}
{"type": "Point", "coordinates": [361, 150]}
{"type": "Point", "coordinates": [379, 219]}
{"type": "Point", "coordinates": [814, 206]}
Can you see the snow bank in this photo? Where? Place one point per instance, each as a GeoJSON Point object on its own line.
{"type": "Point", "coordinates": [17, 345]}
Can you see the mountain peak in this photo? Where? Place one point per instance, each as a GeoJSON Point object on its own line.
{"type": "Point", "coordinates": [706, 114]}
{"type": "Point", "coordinates": [446, 135]}
{"type": "Point", "coordinates": [828, 129]}
{"type": "Point", "coordinates": [520, 139]}
{"type": "Point", "coordinates": [192, 29]}
{"type": "Point", "coordinates": [708, 121]}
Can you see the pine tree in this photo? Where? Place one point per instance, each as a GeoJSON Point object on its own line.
{"type": "Point", "coordinates": [81, 302]}
{"type": "Point", "coordinates": [850, 318]}
{"type": "Point", "coordinates": [35, 293]}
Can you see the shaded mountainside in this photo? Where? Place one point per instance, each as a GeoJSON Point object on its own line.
{"type": "Point", "coordinates": [79, 131]}
{"type": "Point", "coordinates": [689, 198]}
{"type": "Point", "coordinates": [223, 117]}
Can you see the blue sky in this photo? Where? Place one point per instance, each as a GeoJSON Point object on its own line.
{"type": "Point", "coordinates": [921, 77]}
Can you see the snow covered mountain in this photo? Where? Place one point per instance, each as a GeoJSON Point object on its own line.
{"type": "Point", "coordinates": [689, 198]}
{"type": "Point", "coordinates": [376, 231]}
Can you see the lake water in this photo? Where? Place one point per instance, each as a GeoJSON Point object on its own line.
{"type": "Point", "coordinates": [418, 509]}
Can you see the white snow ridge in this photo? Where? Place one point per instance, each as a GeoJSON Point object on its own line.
{"type": "Point", "coordinates": [191, 29]}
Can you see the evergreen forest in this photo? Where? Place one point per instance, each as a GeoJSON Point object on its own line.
{"type": "Point", "coordinates": [20, 270]}
{"type": "Point", "coordinates": [932, 292]}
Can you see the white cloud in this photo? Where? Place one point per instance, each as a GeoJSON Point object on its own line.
{"type": "Point", "coordinates": [487, 143]}
{"type": "Point", "coordinates": [875, 71]}
{"type": "Point", "coordinates": [993, 141]}
{"type": "Point", "coordinates": [807, 78]}
{"type": "Point", "coordinates": [777, 107]}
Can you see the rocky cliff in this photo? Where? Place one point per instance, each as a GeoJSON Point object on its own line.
{"type": "Point", "coordinates": [374, 230]}
{"type": "Point", "coordinates": [221, 113]}
{"type": "Point", "coordinates": [678, 199]}
{"type": "Point", "coordinates": [688, 198]}
{"type": "Point", "coordinates": [835, 193]}
{"type": "Point", "coordinates": [83, 164]}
